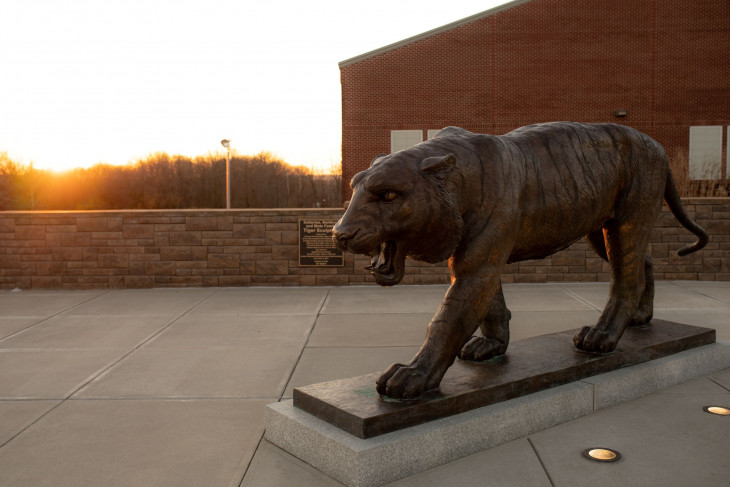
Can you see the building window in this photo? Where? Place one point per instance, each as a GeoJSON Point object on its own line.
{"type": "Point", "coordinates": [432, 133]}
{"type": "Point", "coordinates": [705, 152]}
{"type": "Point", "coordinates": [403, 139]}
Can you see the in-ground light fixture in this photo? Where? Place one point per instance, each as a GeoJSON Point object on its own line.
{"type": "Point", "coordinates": [603, 455]}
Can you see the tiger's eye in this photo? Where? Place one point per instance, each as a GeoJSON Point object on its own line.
{"type": "Point", "coordinates": [389, 196]}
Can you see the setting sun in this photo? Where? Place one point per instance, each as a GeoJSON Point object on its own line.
{"type": "Point", "coordinates": [87, 82]}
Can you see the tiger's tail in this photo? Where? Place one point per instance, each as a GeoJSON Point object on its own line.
{"type": "Point", "coordinates": [674, 203]}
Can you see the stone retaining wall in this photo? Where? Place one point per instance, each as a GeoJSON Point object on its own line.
{"type": "Point", "coordinates": [137, 249]}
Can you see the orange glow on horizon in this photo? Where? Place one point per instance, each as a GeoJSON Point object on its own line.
{"type": "Point", "coordinates": [90, 82]}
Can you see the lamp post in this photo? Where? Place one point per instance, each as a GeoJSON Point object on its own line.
{"type": "Point", "coordinates": [227, 144]}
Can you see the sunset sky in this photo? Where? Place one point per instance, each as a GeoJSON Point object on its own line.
{"type": "Point", "coordinates": [87, 81]}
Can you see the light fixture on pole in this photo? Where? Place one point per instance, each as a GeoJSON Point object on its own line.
{"type": "Point", "coordinates": [227, 144]}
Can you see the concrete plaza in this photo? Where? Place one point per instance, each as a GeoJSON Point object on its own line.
{"type": "Point", "coordinates": [168, 387]}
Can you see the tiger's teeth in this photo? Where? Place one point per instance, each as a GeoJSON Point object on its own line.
{"type": "Point", "coordinates": [379, 261]}
{"type": "Point", "coordinates": [382, 259]}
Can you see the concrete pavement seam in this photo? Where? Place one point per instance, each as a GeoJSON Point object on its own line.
{"type": "Point", "coordinates": [304, 347]}
{"type": "Point", "coordinates": [54, 315]}
{"type": "Point", "coordinates": [98, 374]}
{"type": "Point", "coordinates": [542, 464]}
{"type": "Point", "coordinates": [694, 290]}
{"type": "Point", "coordinates": [61, 401]}
{"type": "Point", "coordinates": [715, 382]}
{"type": "Point", "coordinates": [578, 298]}
{"type": "Point", "coordinates": [138, 346]}
{"type": "Point", "coordinates": [283, 391]}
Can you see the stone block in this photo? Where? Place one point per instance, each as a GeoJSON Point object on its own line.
{"type": "Point", "coordinates": [10, 261]}
{"type": "Point", "coordinates": [94, 279]}
{"type": "Point", "coordinates": [46, 282]}
{"type": "Point", "coordinates": [160, 239]}
{"type": "Point", "coordinates": [290, 237]}
{"type": "Point", "coordinates": [59, 228]}
{"type": "Point", "coordinates": [138, 231]}
{"type": "Point", "coordinates": [114, 223]}
{"type": "Point", "coordinates": [50, 268]}
{"type": "Point", "coordinates": [53, 240]}
{"type": "Point", "coordinates": [91, 224]}
{"type": "Point", "coordinates": [332, 280]}
{"type": "Point", "coordinates": [432, 279]}
{"type": "Point", "coordinates": [249, 230]}
{"type": "Point", "coordinates": [210, 281]}
{"type": "Point", "coordinates": [186, 281]}
{"type": "Point", "coordinates": [307, 280]}
{"type": "Point", "coordinates": [247, 267]}
{"type": "Point", "coordinates": [199, 253]}
{"type": "Point", "coordinates": [176, 253]}
{"type": "Point", "coordinates": [76, 239]}
{"type": "Point", "coordinates": [135, 268]}
{"type": "Point", "coordinates": [273, 237]}
{"type": "Point", "coordinates": [162, 268]}
{"type": "Point", "coordinates": [30, 232]}
{"type": "Point", "coordinates": [40, 257]}
{"type": "Point", "coordinates": [568, 257]}
{"type": "Point", "coordinates": [280, 252]}
{"type": "Point", "coordinates": [281, 280]}
{"type": "Point", "coordinates": [139, 281]}
{"type": "Point", "coordinates": [223, 260]}
{"type": "Point", "coordinates": [201, 223]}
{"type": "Point", "coordinates": [7, 225]}
{"type": "Point", "coordinates": [185, 238]}
{"type": "Point", "coordinates": [218, 237]}
{"type": "Point", "coordinates": [225, 223]}
{"type": "Point", "coordinates": [234, 281]}
{"type": "Point", "coordinates": [721, 227]}
{"type": "Point", "coordinates": [280, 226]}
{"type": "Point", "coordinates": [169, 227]}
{"type": "Point", "coordinates": [118, 261]}
{"type": "Point", "coordinates": [272, 267]}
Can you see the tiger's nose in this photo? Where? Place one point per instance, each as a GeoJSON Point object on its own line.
{"type": "Point", "coordinates": [341, 238]}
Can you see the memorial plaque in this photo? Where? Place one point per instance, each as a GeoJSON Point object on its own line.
{"type": "Point", "coordinates": [316, 248]}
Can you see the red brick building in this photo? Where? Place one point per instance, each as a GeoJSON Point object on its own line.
{"type": "Point", "coordinates": [662, 67]}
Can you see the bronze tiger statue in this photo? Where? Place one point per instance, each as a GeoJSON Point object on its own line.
{"type": "Point", "coordinates": [483, 201]}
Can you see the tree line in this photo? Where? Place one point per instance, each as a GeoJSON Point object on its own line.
{"type": "Point", "coordinates": [162, 181]}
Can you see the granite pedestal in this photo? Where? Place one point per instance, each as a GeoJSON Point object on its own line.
{"type": "Point", "coordinates": [485, 406]}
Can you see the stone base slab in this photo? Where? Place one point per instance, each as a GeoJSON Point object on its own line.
{"type": "Point", "coordinates": [531, 365]}
{"type": "Point", "coordinates": [375, 461]}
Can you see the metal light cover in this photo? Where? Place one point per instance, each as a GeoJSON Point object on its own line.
{"type": "Point", "coordinates": [603, 455]}
{"type": "Point", "coordinates": [717, 410]}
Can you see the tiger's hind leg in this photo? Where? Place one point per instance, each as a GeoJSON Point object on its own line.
{"type": "Point", "coordinates": [625, 244]}
{"type": "Point", "coordinates": [645, 311]}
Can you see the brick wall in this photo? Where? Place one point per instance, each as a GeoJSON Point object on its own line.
{"type": "Point", "coordinates": [137, 249]}
{"type": "Point", "coordinates": [666, 62]}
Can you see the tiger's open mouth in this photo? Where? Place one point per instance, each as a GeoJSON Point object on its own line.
{"type": "Point", "coordinates": [381, 261]}
{"type": "Point", "coordinates": [387, 265]}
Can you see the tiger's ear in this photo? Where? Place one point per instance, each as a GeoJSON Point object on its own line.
{"type": "Point", "coordinates": [438, 163]}
{"type": "Point", "coordinates": [377, 159]}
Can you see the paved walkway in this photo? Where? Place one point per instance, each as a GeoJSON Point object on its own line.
{"type": "Point", "coordinates": [168, 387]}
